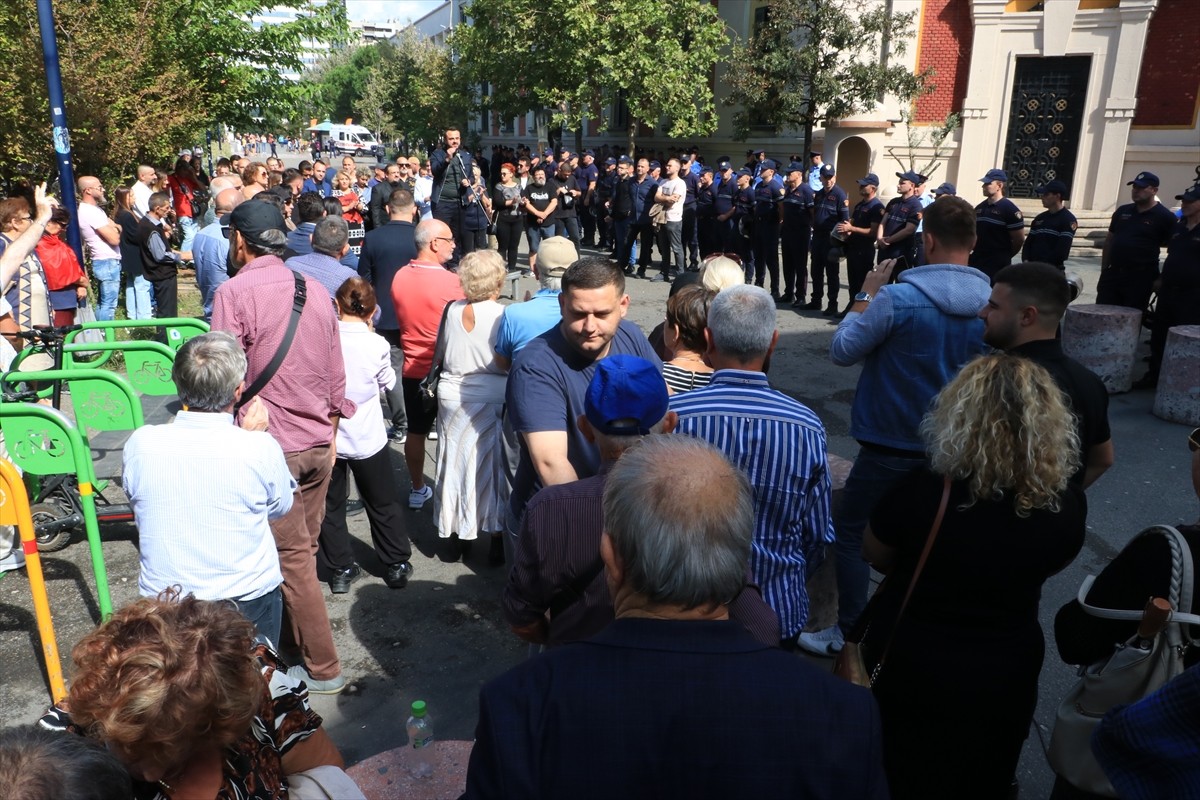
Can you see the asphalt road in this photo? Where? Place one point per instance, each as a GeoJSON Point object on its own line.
{"type": "Point", "coordinates": [442, 637]}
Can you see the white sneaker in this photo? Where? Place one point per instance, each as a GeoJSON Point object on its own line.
{"type": "Point", "coordinates": [14, 560]}
{"type": "Point", "coordinates": [419, 497]}
{"type": "Point", "coordinates": [827, 643]}
{"type": "Point", "coordinates": [432, 435]}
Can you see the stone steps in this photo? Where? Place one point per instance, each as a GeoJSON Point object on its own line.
{"type": "Point", "coordinates": [1089, 236]}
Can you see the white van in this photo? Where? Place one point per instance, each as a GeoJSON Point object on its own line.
{"type": "Point", "coordinates": [354, 140]}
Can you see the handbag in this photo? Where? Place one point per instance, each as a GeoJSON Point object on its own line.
{"type": "Point", "coordinates": [429, 384]}
{"type": "Point", "coordinates": [851, 661]}
{"type": "Point", "coordinates": [84, 314]}
{"type": "Point", "coordinates": [1126, 676]}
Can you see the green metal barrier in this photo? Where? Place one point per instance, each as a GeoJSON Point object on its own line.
{"type": "Point", "coordinates": [147, 364]}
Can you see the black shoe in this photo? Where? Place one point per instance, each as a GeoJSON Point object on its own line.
{"type": "Point", "coordinates": [496, 551]}
{"type": "Point", "coordinates": [342, 578]}
{"type": "Point", "coordinates": [775, 296]}
{"type": "Point", "coordinates": [812, 305]}
{"type": "Point", "coordinates": [830, 309]}
{"type": "Point", "coordinates": [629, 271]}
{"type": "Point", "coordinates": [641, 273]}
{"type": "Point", "coordinates": [398, 575]}
{"type": "Point", "coordinates": [786, 297]}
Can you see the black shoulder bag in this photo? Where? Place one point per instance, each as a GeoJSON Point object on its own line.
{"type": "Point", "coordinates": [264, 377]}
{"type": "Point", "coordinates": [429, 384]}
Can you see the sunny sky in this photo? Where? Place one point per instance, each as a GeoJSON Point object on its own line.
{"type": "Point", "coordinates": [383, 10]}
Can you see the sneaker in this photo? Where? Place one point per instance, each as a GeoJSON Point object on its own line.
{"type": "Point", "coordinates": [397, 435]}
{"type": "Point", "coordinates": [14, 560]}
{"type": "Point", "coordinates": [398, 575]}
{"type": "Point", "coordinates": [827, 643]}
{"type": "Point", "coordinates": [432, 435]}
{"type": "Point", "coordinates": [419, 497]}
{"type": "Point", "coordinates": [342, 578]}
{"type": "Point", "coordinates": [331, 686]}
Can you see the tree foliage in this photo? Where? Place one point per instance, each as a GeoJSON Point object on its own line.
{"type": "Point", "coordinates": [143, 77]}
{"type": "Point", "coordinates": [577, 57]}
{"type": "Point", "coordinates": [817, 60]}
{"type": "Point", "coordinates": [335, 85]}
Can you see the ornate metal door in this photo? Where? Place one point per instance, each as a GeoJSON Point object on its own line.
{"type": "Point", "coordinates": [1044, 122]}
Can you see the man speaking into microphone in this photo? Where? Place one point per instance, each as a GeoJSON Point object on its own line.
{"type": "Point", "coordinates": [452, 172]}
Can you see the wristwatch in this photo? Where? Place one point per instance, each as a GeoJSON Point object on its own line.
{"type": "Point", "coordinates": [862, 297]}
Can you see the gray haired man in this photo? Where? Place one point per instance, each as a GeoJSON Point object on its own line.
{"type": "Point", "coordinates": [213, 538]}
{"type": "Point", "coordinates": [330, 242]}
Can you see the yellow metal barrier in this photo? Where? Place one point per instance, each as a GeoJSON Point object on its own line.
{"type": "Point", "coordinates": [14, 510]}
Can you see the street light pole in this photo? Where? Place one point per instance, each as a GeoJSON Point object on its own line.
{"type": "Point", "coordinates": [58, 120]}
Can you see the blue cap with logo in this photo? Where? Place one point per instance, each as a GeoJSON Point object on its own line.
{"type": "Point", "coordinates": [948, 189]}
{"type": "Point", "coordinates": [827, 171]}
{"type": "Point", "coordinates": [608, 162]}
{"type": "Point", "coordinates": [994, 175]}
{"type": "Point", "coordinates": [1144, 179]}
{"type": "Point", "coordinates": [624, 160]}
{"type": "Point", "coordinates": [744, 171]}
{"type": "Point", "coordinates": [1190, 195]}
{"type": "Point", "coordinates": [870, 179]}
{"type": "Point", "coordinates": [655, 165]}
{"type": "Point", "coordinates": [768, 164]}
{"type": "Point", "coordinates": [626, 397]}
{"type": "Point", "coordinates": [912, 177]}
{"type": "Point", "coordinates": [794, 167]}
{"type": "Point", "coordinates": [591, 153]}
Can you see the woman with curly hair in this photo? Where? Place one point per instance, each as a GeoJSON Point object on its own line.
{"type": "Point", "coordinates": [180, 691]}
{"type": "Point", "coordinates": [958, 687]}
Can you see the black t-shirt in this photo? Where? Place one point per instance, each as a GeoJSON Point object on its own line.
{"type": "Point", "coordinates": [1180, 288]}
{"type": "Point", "coordinates": [797, 206]}
{"type": "Point", "coordinates": [829, 208]}
{"type": "Point", "coordinates": [539, 197]}
{"type": "Point", "coordinates": [562, 189]}
{"type": "Point", "coordinates": [1086, 392]}
{"type": "Point", "coordinates": [866, 214]}
{"type": "Point", "coordinates": [1138, 235]}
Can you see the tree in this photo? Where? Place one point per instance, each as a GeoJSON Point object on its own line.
{"type": "Point", "coordinates": [916, 138]}
{"type": "Point", "coordinates": [812, 61]}
{"type": "Point", "coordinates": [338, 81]}
{"type": "Point", "coordinates": [573, 58]}
{"type": "Point", "coordinates": [143, 77]}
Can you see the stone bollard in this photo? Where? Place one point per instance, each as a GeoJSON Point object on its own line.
{"type": "Point", "coordinates": [1178, 395]}
{"type": "Point", "coordinates": [822, 586]}
{"type": "Point", "coordinates": [1105, 340]}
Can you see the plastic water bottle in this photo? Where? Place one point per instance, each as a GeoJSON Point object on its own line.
{"type": "Point", "coordinates": [420, 733]}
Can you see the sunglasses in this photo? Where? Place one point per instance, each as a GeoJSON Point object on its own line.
{"type": "Point", "coordinates": [1194, 440]}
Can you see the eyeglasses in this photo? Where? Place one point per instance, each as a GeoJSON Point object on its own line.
{"type": "Point", "coordinates": [443, 239]}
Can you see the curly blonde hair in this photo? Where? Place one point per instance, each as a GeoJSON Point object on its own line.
{"type": "Point", "coordinates": [1003, 426]}
{"type": "Point", "coordinates": [481, 274]}
{"type": "Point", "coordinates": [165, 676]}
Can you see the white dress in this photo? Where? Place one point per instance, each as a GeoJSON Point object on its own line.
{"type": "Point", "coordinates": [472, 487]}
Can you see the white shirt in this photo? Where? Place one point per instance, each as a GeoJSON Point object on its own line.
{"type": "Point", "coordinates": [368, 370]}
{"type": "Point", "coordinates": [677, 188]}
{"type": "Point", "coordinates": [141, 198]}
{"type": "Point", "coordinates": [91, 219]}
{"type": "Point", "coordinates": [470, 373]}
{"type": "Point", "coordinates": [422, 190]}
{"type": "Point", "coordinates": [203, 493]}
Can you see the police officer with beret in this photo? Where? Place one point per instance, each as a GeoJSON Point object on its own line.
{"type": "Point", "coordinates": [795, 232]}
{"type": "Point", "coordinates": [900, 220]}
{"type": "Point", "coordinates": [767, 196]}
{"type": "Point", "coordinates": [1129, 262]}
{"type": "Point", "coordinates": [830, 206]}
{"type": "Point", "coordinates": [862, 231]}
{"type": "Point", "coordinates": [999, 226]}
{"type": "Point", "coordinates": [1051, 232]}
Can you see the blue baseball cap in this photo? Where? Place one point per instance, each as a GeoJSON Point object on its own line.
{"type": "Point", "coordinates": [912, 177]}
{"type": "Point", "coordinates": [591, 153]}
{"type": "Point", "coordinates": [794, 167]}
{"type": "Point", "coordinates": [655, 165]}
{"type": "Point", "coordinates": [608, 162]}
{"type": "Point", "coordinates": [708, 170]}
{"type": "Point", "coordinates": [624, 160]}
{"type": "Point", "coordinates": [1144, 179]}
{"type": "Point", "coordinates": [994, 175]}
{"type": "Point", "coordinates": [626, 397]}
{"type": "Point", "coordinates": [724, 164]}
{"type": "Point", "coordinates": [768, 164]}
{"type": "Point", "coordinates": [870, 179]}
{"type": "Point", "coordinates": [946, 189]}
{"type": "Point", "coordinates": [745, 172]}
{"type": "Point", "coordinates": [1191, 194]}
{"type": "Point", "coordinates": [827, 171]}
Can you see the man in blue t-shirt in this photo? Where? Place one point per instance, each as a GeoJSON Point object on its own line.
{"type": "Point", "coordinates": [524, 322]}
{"type": "Point", "coordinates": [549, 378]}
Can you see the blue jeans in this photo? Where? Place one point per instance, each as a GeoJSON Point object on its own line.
{"type": "Point", "coordinates": [108, 272]}
{"type": "Point", "coordinates": [265, 612]}
{"type": "Point", "coordinates": [872, 476]}
{"type": "Point", "coordinates": [209, 278]}
{"type": "Point", "coordinates": [538, 232]}
{"type": "Point", "coordinates": [138, 304]}
{"type": "Point", "coordinates": [190, 229]}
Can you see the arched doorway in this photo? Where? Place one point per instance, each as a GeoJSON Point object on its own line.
{"type": "Point", "coordinates": [853, 160]}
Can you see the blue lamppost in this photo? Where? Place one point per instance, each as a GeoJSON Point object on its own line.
{"type": "Point", "coordinates": [58, 121]}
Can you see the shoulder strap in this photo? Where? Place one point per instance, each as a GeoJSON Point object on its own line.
{"type": "Point", "coordinates": [439, 347]}
{"type": "Point", "coordinates": [933, 532]}
{"type": "Point", "coordinates": [264, 377]}
{"type": "Point", "coordinates": [1182, 577]}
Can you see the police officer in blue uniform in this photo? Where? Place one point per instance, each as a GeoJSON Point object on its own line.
{"type": "Point", "coordinates": [606, 184]}
{"type": "Point", "coordinates": [830, 206]}
{"type": "Point", "coordinates": [1129, 262]}
{"type": "Point", "coordinates": [1052, 231]}
{"type": "Point", "coordinates": [1179, 287]}
{"type": "Point", "coordinates": [586, 175]}
{"type": "Point", "coordinates": [691, 240]}
{"type": "Point", "coordinates": [900, 220]}
{"type": "Point", "coordinates": [706, 215]}
{"type": "Point", "coordinates": [999, 226]}
{"type": "Point", "coordinates": [767, 197]}
{"type": "Point", "coordinates": [743, 217]}
{"type": "Point", "coordinates": [795, 232]}
{"type": "Point", "coordinates": [725, 207]}
{"type": "Point", "coordinates": [862, 231]}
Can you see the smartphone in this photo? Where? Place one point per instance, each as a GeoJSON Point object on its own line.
{"type": "Point", "coordinates": [900, 265]}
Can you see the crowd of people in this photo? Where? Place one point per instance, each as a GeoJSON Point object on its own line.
{"type": "Point", "coordinates": [660, 505]}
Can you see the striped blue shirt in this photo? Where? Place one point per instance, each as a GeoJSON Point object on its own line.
{"type": "Point", "coordinates": [780, 444]}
